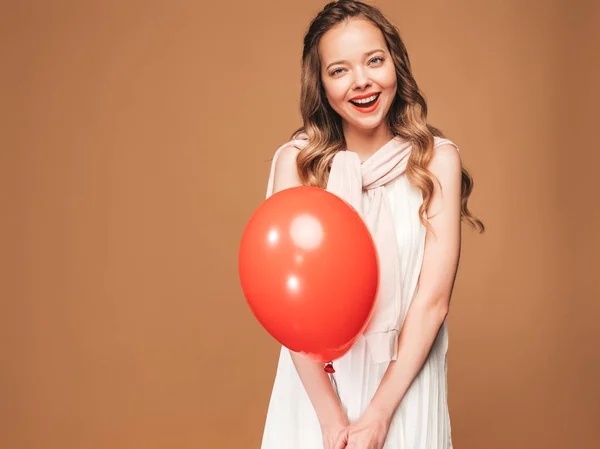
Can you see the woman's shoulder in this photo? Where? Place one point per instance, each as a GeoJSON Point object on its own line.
{"type": "Point", "coordinates": [446, 155]}
{"type": "Point", "coordinates": [446, 164]}
{"type": "Point", "coordinates": [291, 148]}
{"type": "Point", "coordinates": [284, 172]}
{"type": "Point", "coordinates": [441, 141]}
{"type": "Point", "coordinates": [286, 153]}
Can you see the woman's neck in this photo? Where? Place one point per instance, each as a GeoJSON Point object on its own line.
{"type": "Point", "coordinates": [365, 143]}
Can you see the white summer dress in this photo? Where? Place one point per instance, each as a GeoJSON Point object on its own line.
{"type": "Point", "coordinates": [422, 420]}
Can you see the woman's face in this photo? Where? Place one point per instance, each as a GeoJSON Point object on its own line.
{"type": "Point", "coordinates": [355, 62]}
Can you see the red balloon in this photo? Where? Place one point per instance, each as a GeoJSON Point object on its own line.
{"type": "Point", "coordinates": [309, 271]}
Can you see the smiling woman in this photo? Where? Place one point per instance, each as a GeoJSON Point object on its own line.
{"type": "Point", "coordinates": [366, 138]}
{"type": "Point", "coordinates": [363, 80]}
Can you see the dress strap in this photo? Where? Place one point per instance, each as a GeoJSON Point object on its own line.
{"type": "Point", "coordinates": [439, 141]}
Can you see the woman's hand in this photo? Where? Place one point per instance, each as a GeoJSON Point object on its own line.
{"type": "Point", "coordinates": [335, 435]}
{"type": "Point", "coordinates": [369, 432]}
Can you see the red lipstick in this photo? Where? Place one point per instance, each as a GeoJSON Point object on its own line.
{"type": "Point", "coordinates": [360, 97]}
{"type": "Point", "coordinates": [367, 109]}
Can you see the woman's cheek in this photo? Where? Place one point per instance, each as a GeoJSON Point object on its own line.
{"type": "Point", "coordinates": [336, 101]}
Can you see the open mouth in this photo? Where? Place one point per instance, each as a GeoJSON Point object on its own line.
{"type": "Point", "coordinates": [366, 103]}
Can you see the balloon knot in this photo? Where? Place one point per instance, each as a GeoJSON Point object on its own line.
{"type": "Point", "coordinates": [329, 368]}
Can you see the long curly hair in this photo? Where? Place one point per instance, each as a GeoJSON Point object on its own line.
{"type": "Point", "coordinates": [407, 116]}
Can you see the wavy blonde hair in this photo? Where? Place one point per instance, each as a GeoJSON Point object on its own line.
{"type": "Point", "coordinates": [407, 116]}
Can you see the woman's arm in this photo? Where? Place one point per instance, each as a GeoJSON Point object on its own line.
{"type": "Point", "coordinates": [431, 303]}
{"type": "Point", "coordinates": [436, 280]}
{"type": "Point", "coordinates": [315, 380]}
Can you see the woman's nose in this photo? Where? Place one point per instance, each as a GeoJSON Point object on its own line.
{"type": "Point", "coordinates": [361, 80]}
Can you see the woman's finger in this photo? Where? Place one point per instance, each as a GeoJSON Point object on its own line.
{"type": "Point", "coordinates": [342, 440]}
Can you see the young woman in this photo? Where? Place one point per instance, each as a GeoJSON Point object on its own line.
{"type": "Point", "coordinates": [365, 122]}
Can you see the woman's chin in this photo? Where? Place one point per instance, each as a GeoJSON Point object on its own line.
{"type": "Point", "coordinates": [367, 123]}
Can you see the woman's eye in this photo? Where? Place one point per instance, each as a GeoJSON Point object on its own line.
{"type": "Point", "coordinates": [373, 60]}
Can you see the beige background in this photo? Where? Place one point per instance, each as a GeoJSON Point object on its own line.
{"type": "Point", "coordinates": [135, 145]}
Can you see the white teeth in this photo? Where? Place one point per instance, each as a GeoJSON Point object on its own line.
{"type": "Point", "coordinates": [365, 100]}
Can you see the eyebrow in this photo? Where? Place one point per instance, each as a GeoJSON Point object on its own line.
{"type": "Point", "coordinates": [369, 53]}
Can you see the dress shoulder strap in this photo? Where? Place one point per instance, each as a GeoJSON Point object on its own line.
{"type": "Point", "coordinates": [439, 141]}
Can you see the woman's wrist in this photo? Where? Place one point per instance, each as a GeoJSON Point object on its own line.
{"type": "Point", "coordinates": [380, 411]}
{"type": "Point", "coordinates": [320, 391]}
{"type": "Point", "coordinates": [333, 419]}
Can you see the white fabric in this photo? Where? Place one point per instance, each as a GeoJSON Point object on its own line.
{"type": "Point", "coordinates": [422, 420]}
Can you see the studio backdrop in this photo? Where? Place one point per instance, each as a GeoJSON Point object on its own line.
{"type": "Point", "coordinates": [135, 145]}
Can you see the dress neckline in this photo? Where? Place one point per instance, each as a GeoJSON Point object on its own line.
{"type": "Point", "coordinates": [395, 139]}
